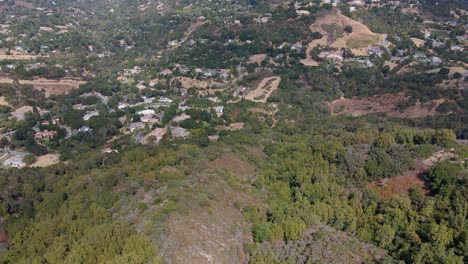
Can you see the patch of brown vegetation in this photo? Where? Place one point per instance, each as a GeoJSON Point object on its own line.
{"type": "Point", "coordinates": [50, 87]}
{"type": "Point", "coordinates": [360, 32]}
{"type": "Point", "coordinates": [402, 184]}
{"type": "Point", "coordinates": [386, 103]}
{"type": "Point", "coordinates": [413, 178]}
{"type": "Point", "coordinates": [192, 83]}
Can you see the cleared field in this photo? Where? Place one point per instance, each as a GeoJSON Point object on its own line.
{"type": "Point", "coordinates": [264, 89]}
{"type": "Point", "coordinates": [46, 160]}
{"type": "Point", "coordinates": [332, 24]}
{"type": "Point", "coordinates": [192, 83]}
{"type": "Point", "coordinates": [50, 87]}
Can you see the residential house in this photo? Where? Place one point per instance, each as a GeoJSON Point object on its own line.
{"type": "Point", "coordinates": [374, 51]}
{"type": "Point", "coordinates": [149, 119]}
{"type": "Point", "coordinates": [435, 60]}
{"type": "Point", "coordinates": [146, 112]}
{"type": "Point", "coordinates": [158, 134]}
{"type": "Point", "coordinates": [46, 134]}
{"type": "Point", "coordinates": [135, 126]}
{"type": "Point", "coordinates": [181, 117]}
{"type": "Point", "coordinates": [90, 114]}
{"type": "Point", "coordinates": [302, 12]}
{"type": "Point", "coordinates": [165, 100]}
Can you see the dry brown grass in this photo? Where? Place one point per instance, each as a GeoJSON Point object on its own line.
{"type": "Point", "coordinates": [257, 58]}
{"type": "Point", "coordinates": [192, 83]}
{"type": "Point", "coordinates": [357, 41]}
{"type": "Point", "coordinates": [50, 87]}
{"type": "Point", "coordinates": [386, 103]}
{"type": "Point", "coordinates": [46, 160]}
{"type": "Point", "coordinates": [402, 184]}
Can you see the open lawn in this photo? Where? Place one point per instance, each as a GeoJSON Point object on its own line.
{"type": "Point", "coordinates": [361, 41]}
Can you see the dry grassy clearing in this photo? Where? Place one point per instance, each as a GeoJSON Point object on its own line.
{"type": "Point", "coordinates": [402, 184]}
{"type": "Point", "coordinates": [257, 58]}
{"type": "Point", "coordinates": [50, 87]}
{"type": "Point", "coordinates": [413, 178]}
{"type": "Point", "coordinates": [332, 26]}
{"type": "Point", "coordinates": [46, 160]}
{"type": "Point", "coordinates": [386, 103]}
{"type": "Point", "coordinates": [266, 87]}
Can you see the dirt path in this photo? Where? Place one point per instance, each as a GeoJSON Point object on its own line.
{"type": "Point", "coordinates": [264, 89]}
{"type": "Point", "coordinates": [308, 61]}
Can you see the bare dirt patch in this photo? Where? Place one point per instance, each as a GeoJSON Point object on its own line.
{"type": "Point", "coordinates": [46, 160]}
{"type": "Point", "coordinates": [438, 157]}
{"type": "Point", "coordinates": [264, 90]}
{"type": "Point", "coordinates": [3, 101]}
{"type": "Point", "coordinates": [390, 64]}
{"type": "Point", "coordinates": [235, 126]}
{"type": "Point", "coordinates": [418, 42]}
{"type": "Point", "coordinates": [50, 87]}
